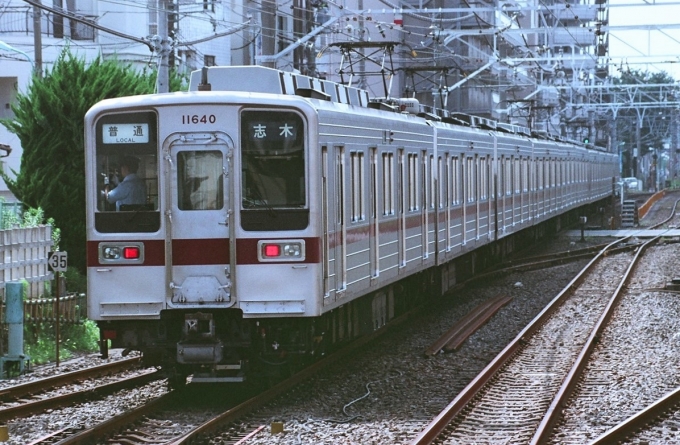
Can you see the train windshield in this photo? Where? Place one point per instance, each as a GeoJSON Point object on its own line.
{"type": "Point", "coordinates": [127, 173]}
{"type": "Point", "coordinates": [273, 193]}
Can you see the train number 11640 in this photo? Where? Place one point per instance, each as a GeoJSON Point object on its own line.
{"type": "Point", "coordinates": [198, 119]}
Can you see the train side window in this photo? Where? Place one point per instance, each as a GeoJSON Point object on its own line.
{"type": "Point", "coordinates": [443, 172]}
{"type": "Point", "coordinates": [200, 180]}
{"type": "Point", "coordinates": [508, 176]}
{"type": "Point", "coordinates": [412, 182]}
{"type": "Point", "coordinates": [433, 189]}
{"type": "Point", "coordinates": [340, 184]}
{"type": "Point", "coordinates": [388, 183]}
{"type": "Point", "coordinates": [499, 180]}
{"type": "Point", "coordinates": [455, 180]}
{"type": "Point", "coordinates": [470, 179]}
{"type": "Point", "coordinates": [484, 178]}
{"type": "Point", "coordinates": [357, 185]}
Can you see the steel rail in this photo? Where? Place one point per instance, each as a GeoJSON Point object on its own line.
{"type": "Point", "coordinates": [470, 322]}
{"type": "Point", "coordinates": [457, 341]}
{"type": "Point", "coordinates": [17, 391]}
{"type": "Point", "coordinates": [554, 412]}
{"type": "Point", "coordinates": [637, 422]}
{"type": "Point", "coordinates": [658, 409]}
{"type": "Point", "coordinates": [439, 423]}
{"type": "Point", "coordinates": [37, 406]}
{"type": "Point", "coordinates": [265, 397]}
{"type": "Point", "coordinates": [443, 419]}
{"type": "Point", "coordinates": [90, 435]}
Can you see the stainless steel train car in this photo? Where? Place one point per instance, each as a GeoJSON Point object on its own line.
{"type": "Point", "coordinates": [281, 215]}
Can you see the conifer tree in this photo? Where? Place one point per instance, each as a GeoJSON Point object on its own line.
{"type": "Point", "coordinates": [49, 123]}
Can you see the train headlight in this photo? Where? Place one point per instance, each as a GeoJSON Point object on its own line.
{"type": "Point", "coordinates": [111, 253]}
{"type": "Point", "coordinates": [281, 250]}
{"type": "Point", "coordinates": [121, 252]}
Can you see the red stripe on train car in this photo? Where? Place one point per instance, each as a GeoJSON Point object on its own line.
{"type": "Point", "coordinates": [190, 252]}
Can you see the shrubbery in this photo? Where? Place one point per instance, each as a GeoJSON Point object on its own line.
{"type": "Point", "coordinates": [40, 338]}
{"type": "Point", "coordinates": [40, 345]}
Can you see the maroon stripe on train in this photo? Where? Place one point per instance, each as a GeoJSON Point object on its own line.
{"type": "Point", "coordinates": [190, 252]}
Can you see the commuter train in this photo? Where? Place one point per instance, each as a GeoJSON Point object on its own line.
{"type": "Point", "coordinates": [285, 214]}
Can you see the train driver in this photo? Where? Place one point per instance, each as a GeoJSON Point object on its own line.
{"type": "Point", "coordinates": [131, 190]}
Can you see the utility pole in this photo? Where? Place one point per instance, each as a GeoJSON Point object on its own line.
{"type": "Point", "coordinates": [37, 41]}
{"type": "Point", "coordinates": [163, 48]}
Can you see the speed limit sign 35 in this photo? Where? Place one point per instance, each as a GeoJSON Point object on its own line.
{"type": "Point", "coordinates": [57, 261]}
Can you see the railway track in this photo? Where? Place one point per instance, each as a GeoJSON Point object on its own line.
{"type": "Point", "coordinates": [516, 398]}
{"type": "Point", "coordinates": [520, 395]}
{"type": "Point", "coordinates": [36, 386]}
{"type": "Point", "coordinates": [171, 419]}
{"type": "Point", "coordinates": [48, 393]}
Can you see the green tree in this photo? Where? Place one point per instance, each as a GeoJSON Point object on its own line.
{"type": "Point", "coordinates": [49, 123]}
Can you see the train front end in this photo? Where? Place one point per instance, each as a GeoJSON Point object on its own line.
{"type": "Point", "coordinates": [214, 270]}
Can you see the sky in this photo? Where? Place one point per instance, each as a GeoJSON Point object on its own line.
{"type": "Point", "coordinates": [655, 44]}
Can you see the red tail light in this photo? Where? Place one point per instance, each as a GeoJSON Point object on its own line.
{"type": "Point", "coordinates": [272, 250]}
{"type": "Point", "coordinates": [121, 252]}
{"type": "Point", "coordinates": [281, 250]}
{"type": "Point", "coordinates": [131, 253]}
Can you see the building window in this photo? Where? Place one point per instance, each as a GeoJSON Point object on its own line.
{"type": "Point", "coordinates": [208, 60]}
{"type": "Point", "coordinates": [153, 17]}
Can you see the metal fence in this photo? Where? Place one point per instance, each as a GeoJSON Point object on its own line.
{"type": "Point", "coordinates": [23, 257]}
{"type": "Point", "coordinates": [72, 309]}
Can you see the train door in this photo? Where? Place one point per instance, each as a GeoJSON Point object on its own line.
{"type": "Point", "coordinates": [445, 198]}
{"type": "Point", "coordinates": [442, 209]}
{"type": "Point", "coordinates": [465, 191]}
{"type": "Point", "coordinates": [425, 207]}
{"type": "Point", "coordinates": [200, 253]}
{"type": "Point", "coordinates": [401, 202]}
{"type": "Point", "coordinates": [374, 222]}
{"type": "Point", "coordinates": [340, 220]}
{"type": "Point", "coordinates": [326, 218]}
{"type": "Point", "coordinates": [479, 165]}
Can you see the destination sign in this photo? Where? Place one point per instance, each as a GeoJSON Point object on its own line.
{"type": "Point", "coordinates": [125, 133]}
{"type": "Point", "coordinates": [273, 131]}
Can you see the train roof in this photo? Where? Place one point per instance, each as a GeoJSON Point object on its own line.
{"type": "Point", "coordinates": [259, 79]}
